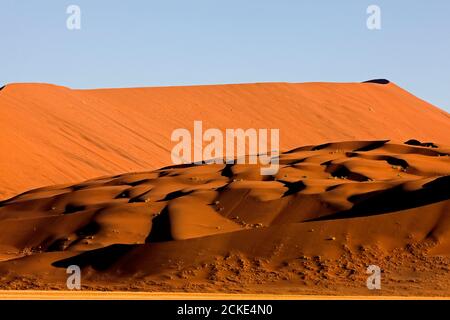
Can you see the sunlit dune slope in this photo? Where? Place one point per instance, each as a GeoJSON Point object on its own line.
{"type": "Point", "coordinates": [52, 134]}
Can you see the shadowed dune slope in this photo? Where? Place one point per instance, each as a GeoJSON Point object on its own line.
{"type": "Point", "coordinates": [331, 210]}
{"type": "Point", "coordinates": [52, 134]}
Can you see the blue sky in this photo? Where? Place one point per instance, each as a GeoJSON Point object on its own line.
{"type": "Point", "coordinates": [159, 43]}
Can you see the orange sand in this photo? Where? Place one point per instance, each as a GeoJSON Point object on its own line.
{"type": "Point", "coordinates": [332, 210]}
{"type": "Point", "coordinates": [312, 229]}
{"type": "Point", "coordinates": [52, 134]}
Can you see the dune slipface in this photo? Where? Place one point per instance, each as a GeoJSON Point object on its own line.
{"type": "Point", "coordinates": [332, 210]}
{"type": "Point", "coordinates": [53, 135]}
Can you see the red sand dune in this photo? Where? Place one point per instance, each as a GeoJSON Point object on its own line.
{"type": "Point", "coordinates": [380, 197]}
{"type": "Point", "coordinates": [52, 134]}
{"type": "Point", "coordinates": [331, 211]}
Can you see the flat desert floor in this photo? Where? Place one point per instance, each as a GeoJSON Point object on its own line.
{"type": "Point", "coordinates": [118, 295]}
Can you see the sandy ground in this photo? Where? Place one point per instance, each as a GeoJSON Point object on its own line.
{"type": "Point", "coordinates": [312, 228]}
{"type": "Point", "coordinates": [53, 135]}
{"type": "Point", "coordinates": [364, 180]}
{"type": "Point", "coordinates": [80, 295]}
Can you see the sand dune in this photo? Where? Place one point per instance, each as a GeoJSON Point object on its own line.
{"type": "Point", "coordinates": [364, 179]}
{"type": "Point", "coordinates": [53, 135]}
{"type": "Point", "coordinates": [313, 228]}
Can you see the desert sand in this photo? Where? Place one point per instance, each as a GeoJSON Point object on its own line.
{"type": "Point", "coordinates": [53, 135]}
{"type": "Point", "coordinates": [332, 210]}
{"type": "Point", "coordinates": [139, 295]}
{"type": "Point", "coordinates": [364, 179]}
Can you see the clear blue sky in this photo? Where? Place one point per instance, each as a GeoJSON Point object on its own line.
{"type": "Point", "coordinates": [153, 43]}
